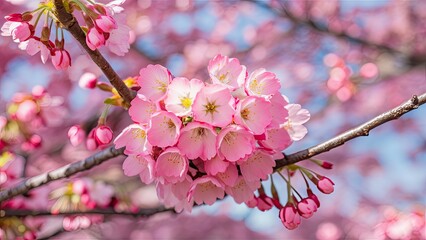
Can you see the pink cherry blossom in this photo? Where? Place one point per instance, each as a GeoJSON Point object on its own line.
{"type": "Point", "coordinates": [76, 135]}
{"type": "Point", "coordinates": [214, 105]}
{"type": "Point", "coordinates": [165, 129]}
{"type": "Point", "coordinates": [20, 31]}
{"type": "Point", "coordinates": [103, 135]}
{"type": "Point", "coordinates": [215, 165]}
{"type": "Point", "coordinates": [262, 83]}
{"type": "Point", "coordinates": [154, 81]}
{"type": "Point", "coordinates": [257, 166]}
{"type": "Point", "coordinates": [88, 80]}
{"type": "Point", "coordinates": [171, 166]}
{"type": "Point", "coordinates": [277, 139]}
{"type": "Point", "coordinates": [143, 165]}
{"type": "Point", "coordinates": [296, 117]}
{"type": "Point", "coordinates": [134, 139]}
{"type": "Point", "coordinates": [306, 207]}
{"type": "Point", "coordinates": [325, 185]}
{"type": "Point", "coordinates": [141, 109]}
{"type": "Point", "coordinates": [33, 46]}
{"type": "Point", "coordinates": [27, 111]}
{"type": "Point", "coordinates": [175, 195]}
{"type": "Point", "coordinates": [119, 40]}
{"type": "Point", "coordinates": [181, 94]}
{"type": "Point", "coordinates": [229, 176]}
{"type": "Point", "coordinates": [114, 7]}
{"type": "Point", "coordinates": [278, 111]}
{"type": "Point", "coordinates": [234, 142]}
{"type": "Point", "coordinates": [289, 216]}
{"type": "Point", "coordinates": [101, 193]}
{"type": "Point", "coordinates": [94, 39]}
{"type": "Point", "coordinates": [198, 140]}
{"type": "Point", "coordinates": [254, 113]}
{"type": "Point", "coordinates": [227, 71]}
{"type": "Point", "coordinates": [206, 190]}
{"type": "Point", "coordinates": [61, 59]}
{"type": "Point", "coordinates": [242, 191]}
{"type": "Point", "coordinates": [105, 23]}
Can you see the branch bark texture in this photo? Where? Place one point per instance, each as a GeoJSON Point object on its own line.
{"type": "Point", "coordinates": [60, 173]}
{"type": "Point", "coordinates": [361, 130]}
{"type": "Point", "coordinates": [70, 23]}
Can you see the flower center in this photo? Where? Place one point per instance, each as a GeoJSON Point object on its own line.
{"type": "Point", "coordinates": [161, 86]}
{"type": "Point", "coordinates": [186, 102]}
{"type": "Point", "coordinates": [245, 114]}
{"type": "Point", "coordinates": [210, 107]}
{"type": "Point", "coordinates": [255, 86]}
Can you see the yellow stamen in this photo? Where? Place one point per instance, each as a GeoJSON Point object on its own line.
{"type": "Point", "coordinates": [186, 102]}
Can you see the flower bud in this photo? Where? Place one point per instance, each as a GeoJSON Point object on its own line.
{"type": "Point", "coordinates": [88, 80]}
{"type": "Point", "coordinates": [252, 203]}
{"type": "Point", "coordinates": [94, 39]}
{"type": "Point", "coordinates": [103, 135]}
{"type": "Point", "coordinates": [289, 216]}
{"type": "Point", "coordinates": [61, 59]}
{"type": "Point", "coordinates": [314, 197]}
{"type": "Point", "coordinates": [105, 23]}
{"type": "Point", "coordinates": [325, 185]}
{"type": "Point", "coordinates": [306, 207]}
{"type": "Point", "coordinates": [14, 17]}
{"type": "Point", "coordinates": [76, 135]}
{"type": "Point", "coordinates": [264, 202]}
{"type": "Point", "coordinates": [38, 92]}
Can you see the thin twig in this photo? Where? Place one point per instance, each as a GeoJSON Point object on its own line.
{"type": "Point", "coordinates": [144, 212]}
{"type": "Point", "coordinates": [361, 130]}
{"type": "Point", "coordinates": [60, 173]}
{"type": "Point", "coordinates": [70, 23]}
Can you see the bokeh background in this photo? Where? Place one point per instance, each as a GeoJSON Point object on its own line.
{"type": "Point", "coordinates": [345, 61]}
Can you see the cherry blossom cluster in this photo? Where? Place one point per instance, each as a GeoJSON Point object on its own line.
{"type": "Point", "coordinates": [100, 26]}
{"type": "Point", "coordinates": [26, 113]}
{"type": "Point", "coordinates": [199, 141]}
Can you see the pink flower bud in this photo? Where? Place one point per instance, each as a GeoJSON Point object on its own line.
{"type": "Point", "coordinates": [61, 59]}
{"type": "Point", "coordinates": [314, 197]}
{"type": "Point", "coordinates": [264, 202]}
{"type": "Point", "coordinates": [22, 32]}
{"type": "Point", "coordinates": [306, 207]}
{"type": "Point", "coordinates": [289, 216]}
{"type": "Point", "coordinates": [14, 17]}
{"type": "Point", "coordinates": [327, 165]}
{"type": "Point", "coordinates": [105, 23]}
{"type": "Point", "coordinates": [27, 111]}
{"type": "Point", "coordinates": [103, 135]}
{"type": "Point", "coordinates": [94, 39]}
{"type": "Point", "coordinates": [91, 143]}
{"type": "Point", "coordinates": [76, 135]}
{"type": "Point", "coordinates": [35, 141]}
{"type": "Point", "coordinates": [325, 185]}
{"type": "Point", "coordinates": [88, 80]}
{"type": "Point", "coordinates": [252, 203]}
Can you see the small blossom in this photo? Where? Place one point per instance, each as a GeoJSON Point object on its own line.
{"type": "Point", "coordinates": [88, 80]}
{"type": "Point", "coordinates": [206, 190]}
{"type": "Point", "coordinates": [33, 46]}
{"type": "Point", "coordinates": [257, 166]}
{"type": "Point", "coordinates": [119, 40]}
{"type": "Point", "coordinates": [228, 177]}
{"type": "Point", "coordinates": [154, 81]}
{"type": "Point", "coordinates": [94, 39]}
{"type": "Point", "coordinates": [181, 95]}
{"type": "Point", "coordinates": [297, 117]}
{"type": "Point", "coordinates": [227, 71]}
{"type": "Point", "coordinates": [242, 191]}
{"type": "Point", "coordinates": [214, 105]}
{"type": "Point", "coordinates": [171, 166]}
{"type": "Point", "coordinates": [142, 165]}
{"type": "Point", "coordinates": [76, 135]}
{"type": "Point", "coordinates": [165, 129]}
{"type": "Point", "coordinates": [141, 109]}
{"type": "Point", "coordinates": [198, 140]}
{"type": "Point", "coordinates": [262, 83]}
{"type": "Point", "coordinates": [289, 216]}
{"type": "Point", "coordinates": [254, 113]}
{"type": "Point", "coordinates": [216, 165]}
{"type": "Point", "coordinates": [234, 143]}
{"type": "Point", "coordinates": [325, 185]}
{"type": "Point", "coordinates": [134, 139]}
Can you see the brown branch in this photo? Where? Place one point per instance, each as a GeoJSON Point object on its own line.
{"type": "Point", "coordinates": [70, 23]}
{"type": "Point", "coordinates": [361, 130]}
{"type": "Point", "coordinates": [144, 212]}
{"type": "Point", "coordinates": [412, 60]}
{"type": "Point", "coordinates": [60, 173]}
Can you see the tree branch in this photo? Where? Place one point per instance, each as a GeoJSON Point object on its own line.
{"type": "Point", "coordinates": [361, 130]}
{"type": "Point", "coordinates": [412, 60]}
{"type": "Point", "coordinates": [144, 212]}
{"type": "Point", "coordinates": [70, 23]}
{"type": "Point", "coordinates": [60, 173]}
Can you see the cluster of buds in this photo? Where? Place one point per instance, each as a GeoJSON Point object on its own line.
{"type": "Point", "coordinates": [26, 113]}
{"type": "Point", "coordinates": [101, 29]}
{"type": "Point", "coordinates": [198, 141]}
